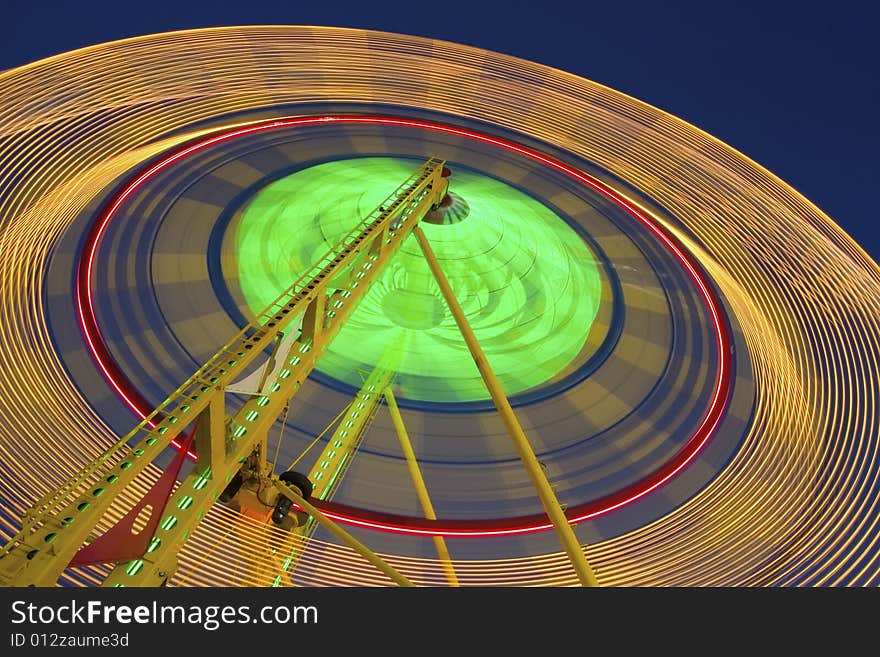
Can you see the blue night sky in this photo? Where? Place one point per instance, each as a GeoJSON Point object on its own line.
{"type": "Point", "coordinates": [792, 85]}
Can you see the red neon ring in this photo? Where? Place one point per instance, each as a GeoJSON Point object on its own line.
{"type": "Point", "coordinates": [406, 524]}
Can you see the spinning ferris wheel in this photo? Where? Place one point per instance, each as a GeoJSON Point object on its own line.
{"type": "Point", "coordinates": [303, 306]}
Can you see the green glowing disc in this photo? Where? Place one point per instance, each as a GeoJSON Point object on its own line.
{"type": "Point", "coordinates": [528, 283]}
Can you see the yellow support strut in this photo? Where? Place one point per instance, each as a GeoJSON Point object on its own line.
{"type": "Point", "coordinates": [343, 535]}
{"type": "Point", "coordinates": [336, 457]}
{"type": "Point", "coordinates": [536, 473]}
{"type": "Point", "coordinates": [419, 483]}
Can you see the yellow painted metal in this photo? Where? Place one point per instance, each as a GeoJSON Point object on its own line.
{"type": "Point", "coordinates": [264, 409]}
{"type": "Point", "coordinates": [258, 562]}
{"type": "Point", "coordinates": [419, 483]}
{"type": "Point", "coordinates": [536, 473]}
{"type": "Point", "coordinates": [331, 464]}
{"type": "Point", "coordinates": [336, 456]}
{"type": "Point", "coordinates": [62, 520]}
{"type": "Point", "coordinates": [344, 536]}
{"type": "Point", "coordinates": [211, 422]}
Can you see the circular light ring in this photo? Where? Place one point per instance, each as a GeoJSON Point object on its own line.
{"type": "Point", "coordinates": [402, 524]}
{"type": "Point", "coordinates": [161, 310]}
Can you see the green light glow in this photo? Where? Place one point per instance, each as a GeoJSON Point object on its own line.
{"type": "Point", "coordinates": [527, 282]}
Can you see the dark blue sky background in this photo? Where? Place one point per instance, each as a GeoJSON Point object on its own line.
{"type": "Point", "coordinates": [793, 85]}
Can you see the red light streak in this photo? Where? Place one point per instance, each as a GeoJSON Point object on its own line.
{"type": "Point", "coordinates": [406, 524]}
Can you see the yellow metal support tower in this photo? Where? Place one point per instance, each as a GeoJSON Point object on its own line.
{"type": "Point", "coordinates": [58, 525]}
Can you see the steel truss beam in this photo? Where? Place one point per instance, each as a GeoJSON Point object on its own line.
{"type": "Point", "coordinates": [58, 525]}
